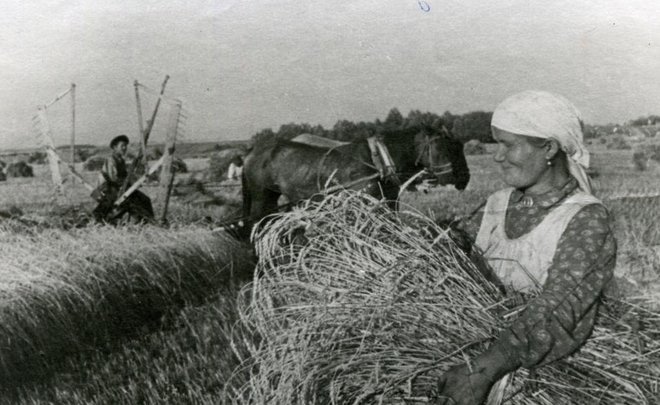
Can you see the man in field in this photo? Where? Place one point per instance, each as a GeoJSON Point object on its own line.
{"type": "Point", "coordinates": [114, 174]}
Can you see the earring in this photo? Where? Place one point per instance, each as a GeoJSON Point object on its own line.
{"type": "Point", "coordinates": [549, 162]}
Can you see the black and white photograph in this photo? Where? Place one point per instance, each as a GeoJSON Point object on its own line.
{"type": "Point", "coordinates": [399, 202]}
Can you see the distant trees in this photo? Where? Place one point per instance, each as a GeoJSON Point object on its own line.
{"type": "Point", "coordinates": [394, 119]}
{"type": "Point", "coordinates": [473, 125]}
{"type": "Point", "coordinates": [264, 136]}
{"type": "Point", "coordinates": [646, 120]}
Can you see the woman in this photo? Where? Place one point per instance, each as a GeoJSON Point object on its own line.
{"type": "Point", "coordinates": [545, 233]}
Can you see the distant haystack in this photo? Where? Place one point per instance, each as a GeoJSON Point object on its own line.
{"type": "Point", "coordinates": [20, 169]}
{"type": "Point", "coordinates": [178, 166]}
{"type": "Point", "coordinates": [646, 157]}
{"type": "Point", "coordinates": [619, 143]}
{"type": "Point", "coordinates": [37, 158]}
{"type": "Point", "coordinates": [154, 154]}
{"type": "Point", "coordinates": [640, 160]}
{"type": "Point", "coordinates": [94, 163]}
{"type": "Point", "coordinates": [219, 163]}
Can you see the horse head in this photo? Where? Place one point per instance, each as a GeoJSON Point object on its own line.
{"type": "Point", "coordinates": [443, 158]}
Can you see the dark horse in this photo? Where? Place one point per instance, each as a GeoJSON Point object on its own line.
{"type": "Point", "coordinates": [298, 171]}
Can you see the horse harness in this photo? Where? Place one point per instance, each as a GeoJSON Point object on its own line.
{"type": "Point", "coordinates": [381, 157]}
{"type": "Point", "coordinates": [437, 170]}
{"type": "Point", "coordinates": [381, 160]}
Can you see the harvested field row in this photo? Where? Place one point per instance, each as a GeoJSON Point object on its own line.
{"type": "Point", "coordinates": [63, 292]}
{"type": "Point", "coordinates": [185, 362]}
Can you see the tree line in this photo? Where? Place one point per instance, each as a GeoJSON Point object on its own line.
{"type": "Point", "coordinates": [646, 120]}
{"type": "Point", "coordinates": [473, 125]}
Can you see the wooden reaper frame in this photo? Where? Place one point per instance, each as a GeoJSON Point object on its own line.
{"type": "Point", "coordinates": [176, 118]}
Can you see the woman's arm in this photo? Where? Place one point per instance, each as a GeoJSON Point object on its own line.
{"type": "Point", "coordinates": [555, 323]}
{"type": "Point", "coordinates": [559, 320]}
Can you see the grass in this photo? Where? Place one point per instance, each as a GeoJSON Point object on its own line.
{"type": "Point", "coordinates": [185, 359]}
{"type": "Point", "coordinates": [185, 362]}
{"type": "Point", "coordinates": [63, 292]}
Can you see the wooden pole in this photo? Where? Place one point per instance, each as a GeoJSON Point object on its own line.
{"type": "Point", "coordinates": [50, 149]}
{"type": "Point", "coordinates": [72, 169]}
{"type": "Point", "coordinates": [150, 123]}
{"type": "Point", "coordinates": [167, 172]}
{"type": "Point", "coordinates": [138, 104]}
{"type": "Point", "coordinates": [73, 129]}
{"type": "Point", "coordinates": [58, 98]}
{"type": "Point", "coordinates": [145, 137]}
{"type": "Point", "coordinates": [138, 183]}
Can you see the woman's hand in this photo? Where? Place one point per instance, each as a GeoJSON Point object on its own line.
{"type": "Point", "coordinates": [460, 386]}
{"type": "Point", "coordinates": [463, 385]}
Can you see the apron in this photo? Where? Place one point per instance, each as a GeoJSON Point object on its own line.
{"type": "Point", "coordinates": [522, 263]}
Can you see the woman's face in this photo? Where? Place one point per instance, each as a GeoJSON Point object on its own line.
{"type": "Point", "coordinates": [522, 163]}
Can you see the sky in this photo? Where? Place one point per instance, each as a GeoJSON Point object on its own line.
{"type": "Point", "coordinates": [243, 65]}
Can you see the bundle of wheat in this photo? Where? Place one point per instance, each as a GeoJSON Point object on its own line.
{"type": "Point", "coordinates": [375, 306]}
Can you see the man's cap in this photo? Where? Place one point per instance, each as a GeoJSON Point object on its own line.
{"type": "Point", "coordinates": [117, 139]}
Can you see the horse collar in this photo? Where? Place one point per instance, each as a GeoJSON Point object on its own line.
{"type": "Point", "coordinates": [381, 157]}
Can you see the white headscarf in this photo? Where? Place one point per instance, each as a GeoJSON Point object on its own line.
{"type": "Point", "coordinates": [542, 114]}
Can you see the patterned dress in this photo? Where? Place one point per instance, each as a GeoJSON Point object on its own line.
{"type": "Point", "coordinates": [558, 321]}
